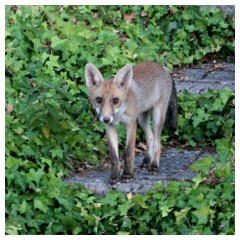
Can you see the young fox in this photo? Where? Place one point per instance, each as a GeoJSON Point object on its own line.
{"type": "Point", "coordinates": [133, 95]}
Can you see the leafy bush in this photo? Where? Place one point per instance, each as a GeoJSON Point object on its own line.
{"type": "Point", "coordinates": [40, 203]}
{"type": "Point", "coordinates": [205, 118]}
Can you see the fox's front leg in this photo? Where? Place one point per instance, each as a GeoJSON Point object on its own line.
{"type": "Point", "coordinates": [113, 150]}
{"type": "Point", "coordinates": [130, 153]}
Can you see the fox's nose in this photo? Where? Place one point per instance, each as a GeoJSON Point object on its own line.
{"type": "Point", "coordinates": [106, 119]}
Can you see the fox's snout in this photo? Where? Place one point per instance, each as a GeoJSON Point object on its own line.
{"type": "Point", "coordinates": [107, 115]}
{"type": "Point", "coordinates": [106, 118]}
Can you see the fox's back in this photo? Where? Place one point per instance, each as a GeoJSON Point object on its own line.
{"type": "Point", "coordinates": [151, 81]}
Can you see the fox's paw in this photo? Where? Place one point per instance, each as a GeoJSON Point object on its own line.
{"type": "Point", "coordinates": [153, 170]}
{"type": "Point", "coordinates": [144, 166]}
{"type": "Point", "coordinates": [145, 163]}
{"type": "Point", "coordinates": [126, 178]}
{"type": "Point", "coordinates": [114, 182]}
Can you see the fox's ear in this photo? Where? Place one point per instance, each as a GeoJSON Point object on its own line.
{"type": "Point", "coordinates": [124, 77]}
{"type": "Point", "coordinates": [93, 76]}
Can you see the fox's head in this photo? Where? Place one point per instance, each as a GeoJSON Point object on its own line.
{"type": "Point", "coordinates": [108, 97]}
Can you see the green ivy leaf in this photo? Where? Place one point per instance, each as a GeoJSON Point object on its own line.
{"type": "Point", "coordinates": [46, 132]}
{"type": "Point", "coordinates": [203, 165]}
{"type": "Point", "coordinates": [57, 152]}
{"type": "Point", "coordinates": [225, 95]}
{"type": "Point", "coordinates": [140, 201]}
{"type": "Point", "coordinates": [52, 110]}
{"type": "Point", "coordinates": [122, 233]}
{"type": "Point", "coordinates": [173, 187]}
{"type": "Point", "coordinates": [69, 222]}
{"type": "Point", "coordinates": [200, 117]}
{"type": "Point", "coordinates": [23, 207]}
{"type": "Point", "coordinates": [202, 215]}
{"type": "Point", "coordinates": [38, 204]}
{"type": "Point", "coordinates": [35, 176]}
{"type": "Point", "coordinates": [57, 42]}
{"type": "Point", "coordinates": [197, 180]}
{"type": "Point", "coordinates": [217, 105]}
{"type": "Point", "coordinates": [224, 149]}
{"type": "Point", "coordinates": [124, 207]}
{"type": "Point", "coordinates": [47, 161]}
{"type": "Point", "coordinates": [182, 214]}
{"type": "Point", "coordinates": [165, 210]}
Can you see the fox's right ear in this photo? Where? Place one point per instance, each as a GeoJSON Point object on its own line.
{"type": "Point", "coordinates": [93, 76]}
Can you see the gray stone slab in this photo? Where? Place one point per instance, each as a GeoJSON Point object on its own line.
{"type": "Point", "coordinates": [201, 87]}
{"type": "Point", "coordinates": [219, 76]}
{"type": "Point", "coordinates": [194, 73]}
{"type": "Point", "coordinates": [226, 9]}
{"type": "Point", "coordinates": [209, 76]}
{"type": "Point", "coordinates": [230, 67]}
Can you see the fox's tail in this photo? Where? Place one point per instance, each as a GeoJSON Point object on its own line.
{"type": "Point", "coordinates": [171, 120]}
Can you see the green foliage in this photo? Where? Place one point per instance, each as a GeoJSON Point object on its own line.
{"type": "Point", "coordinates": [207, 117]}
{"type": "Point", "coordinates": [47, 48]}
{"type": "Point", "coordinates": [50, 122]}
{"type": "Point", "coordinates": [67, 37]}
{"type": "Point", "coordinates": [48, 206]}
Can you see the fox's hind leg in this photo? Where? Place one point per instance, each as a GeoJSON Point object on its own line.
{"type": "Point", "coordinates": [144, 122]}
{"type": "Point", "coordinates": [158, 116]}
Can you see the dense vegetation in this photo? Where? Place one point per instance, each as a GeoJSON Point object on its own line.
{"type": "Point", "coordinates": [49, 121]}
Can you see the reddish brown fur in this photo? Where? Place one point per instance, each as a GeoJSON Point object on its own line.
{"type": "Point", "coordinates": [142, 90]}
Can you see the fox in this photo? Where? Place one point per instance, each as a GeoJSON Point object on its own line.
{"type": "Point", "coordinates": [136, 94]}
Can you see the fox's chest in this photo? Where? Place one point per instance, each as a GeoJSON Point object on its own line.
{"type": "Point", "coordinates": [121, 117]}
{"type": "Point", "coordinates": [124, 119]}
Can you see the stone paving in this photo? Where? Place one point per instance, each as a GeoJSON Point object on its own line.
{"type": "Point", "coordinates": [174, 166]}
{"type": "Point", "coordinates": [208, 76]}
{"type": "Point", "coordinates": [174, 162]}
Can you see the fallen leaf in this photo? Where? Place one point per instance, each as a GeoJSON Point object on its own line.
{"type": "Point", "coordinates": [171, 10]}
{"type": "Point", "coordinates": [142, 146]}
{"type": "Point", "coordinates": [95, 14]}
{"type": "Point", "coordinates": [33, 84]}
{"type": "Point", "coordinates": [137, 150]}
{"type": "Point", "coordinates": [9, 108]}
{"type": "Point", "coordinates": [74, 20]}
{"type": "Point", "coordinates": [129, 196]}
{"type": "Point", "coordinates": [143, 14]}
{"type": "Point", "coordinates": [45, 131]}
{"type": "Point", "coordinates": [129, 17]}
{"type": "Point", "coordinates": [184, 78]}
{"type": "Point", "coordinates": [219, 66]}
{"type": "Point", "coordinates": [97, 205]}
{"type": "Point", "coordinates": [165, 54]}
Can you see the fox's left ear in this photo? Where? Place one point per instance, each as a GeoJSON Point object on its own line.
{"type": "Point", "coordinates": [124, 77]}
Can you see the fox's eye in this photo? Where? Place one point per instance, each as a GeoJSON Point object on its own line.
{"type": "Point", "coordinates": [98, 100]}
{"type": "Point", "coordinates": [115, 101]}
